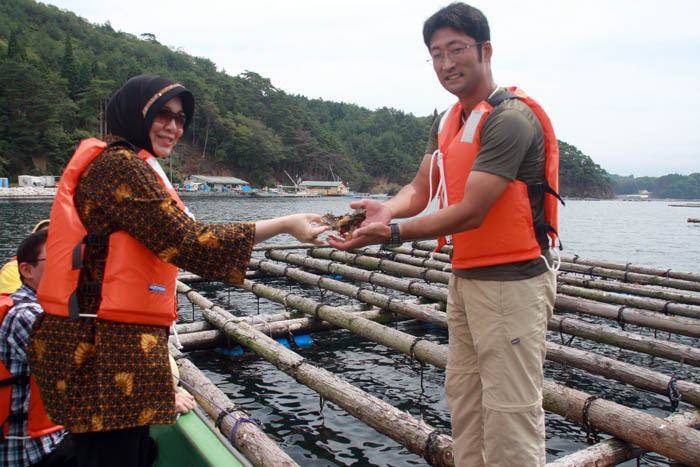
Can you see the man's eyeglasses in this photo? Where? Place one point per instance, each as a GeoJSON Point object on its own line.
{"type": "Point", "coordinates": [165, 116]}
{"type": "Point", "coordinates": [38, 260]}
{"type": "Point", "coordinates": [453, 54]}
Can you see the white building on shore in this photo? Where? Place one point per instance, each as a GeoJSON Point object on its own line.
{"type": "Point", "coordinates": [215, 183]}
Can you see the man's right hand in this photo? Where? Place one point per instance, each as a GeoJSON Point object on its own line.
{"type": "Point", "coordinates": [372, 234]}
{"type": "Point", "coordinates": [375, 211]}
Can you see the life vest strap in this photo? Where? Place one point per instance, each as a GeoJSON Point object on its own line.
{"type": "Point", "coordinates": [89, 239]}
{"type": "Point", "coordinates": [541, 188]}
{"type": "Point", "coordinates": [93, 289]}
{"type": "Point", "coordinates": [542, 230]}
{"type": "Point", "coordinates": [500, 97]}
{"type": "Point", "coordinates": [84, 288]}
{"type": "Point", "coordinates": [23, 379]}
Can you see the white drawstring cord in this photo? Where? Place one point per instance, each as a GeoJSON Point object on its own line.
{"type": "Point", "coordinates": [441, 190]}
{"type": "Point", "coordinates": [557, 262]}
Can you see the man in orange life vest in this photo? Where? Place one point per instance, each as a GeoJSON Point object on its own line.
{"type": "Point", "coordinates": [493, 160]}
{"type": "Point", "coordinates": [28, 437]}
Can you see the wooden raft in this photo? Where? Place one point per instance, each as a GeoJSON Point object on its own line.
{"type": "Point", "coordinates": [633, 308]}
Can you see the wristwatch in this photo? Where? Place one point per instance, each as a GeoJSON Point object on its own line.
{"type": "Point", "coordinates": [395, 239]}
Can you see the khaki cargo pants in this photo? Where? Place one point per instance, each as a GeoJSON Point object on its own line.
{"type": "Point", "coordinates": [494, 371]}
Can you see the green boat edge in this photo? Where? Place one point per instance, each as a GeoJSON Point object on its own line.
{"type": "Point", "coordinates": [192, 442]}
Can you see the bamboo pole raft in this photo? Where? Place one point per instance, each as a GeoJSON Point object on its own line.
{"type": "Point", "coordinates": [628, 326]}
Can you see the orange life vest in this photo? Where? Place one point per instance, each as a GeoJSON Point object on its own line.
{"type": "Point", "coordinates": [38, 423]}
{"type": "Point", "coordinates": [137, 286]}
{"type": "Point", "coordinates": [508, 233]}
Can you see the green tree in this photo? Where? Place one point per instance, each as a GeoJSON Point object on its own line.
{"type": "Point", "coordinates": [579, 176]}
{"type": "Point", "coordinates": [15, 49]}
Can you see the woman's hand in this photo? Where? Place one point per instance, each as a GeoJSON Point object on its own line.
{"type": "Point", "coordinates": [184, 402]}
{"type": "Point", "coordinates": [297, 225]}
{"type": "Point", "coordinates": [300, 226]}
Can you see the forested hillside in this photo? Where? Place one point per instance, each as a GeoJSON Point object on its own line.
{"type": "Point", "coordinates": [57, 72]}
{"type": "Point", "coordinates": [668, 186]}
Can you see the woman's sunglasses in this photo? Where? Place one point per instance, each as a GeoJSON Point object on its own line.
{"type": "Point", "coordinates": [165, 116]}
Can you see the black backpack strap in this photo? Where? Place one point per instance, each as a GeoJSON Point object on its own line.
{"type": "Point", "coordinates": [500, 97]}
{"type": "Point", "coordinates": [543, 187]}
{"type": "Point", "coordinates": [24, 379]}
{"type": "Point", "coordinates": [542, 230]}
{"type": "Point", "coordinates": [84, 288]}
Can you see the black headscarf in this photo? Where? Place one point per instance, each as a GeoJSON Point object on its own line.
{"type": "Point", "coordinates": [131, 110]}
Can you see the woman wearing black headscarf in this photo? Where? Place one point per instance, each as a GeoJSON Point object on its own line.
{"type": "Point", "coordinates": [99, 352]}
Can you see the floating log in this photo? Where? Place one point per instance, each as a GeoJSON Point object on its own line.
{"type": "Point", "coordinates": [627, 276]}
{"type": "Point", "coordinates": [615, 451]}
{"type": "Point", "coordinates": [641, 290]}
{"type": "Point", "coordinates": [625, 315]}
{"type": "Point", "coordinates": [608, 269]}
{"type": "Point", "coordinates": [576, 327]}
{"type": "Point", "coordinates": [376, 279]}
{"type": "Point", "coordinates": [668, 444]}
{"type": "Point", "coordinates": [405, 255]}
{"type": "Point", "coordinates": [424, 261]}
{"type": "Point", "coordinates": [276, 329]}
{"type": "Point", "coordinates": [634, 375]}
{"type": "Point", "coordinates": [382, 264]}
{"type": "Point", "coordinates": [667, 307]}
{"type": "Point", "coordinates": [687, 276]}
{"type": "Point", "coordinates": [196, 326]}
{"type": "Point", "coordinates": [648, 431]}
{"type": "Point", "coordinates": [630, 374]}
{"type": "Point", "coordinates": [412, 433]}
{"type": "Point", "coordinates": [399, 306]}
{"type": "Point", "coordinates": [625, 340]}
{"type": "Point", "coordinates": [189, 277]}
{"type": "Point", "coordinates": [250, 440]}
{"type": "Point", "coordinates": [432, 245]}
{"type": "Point", "coordinates": [438, 357]}
{"type": "Point", "coordinates": [693, 219]}
{"type": "Point", "coordinates": [604, 366]}
{"type": "Point", "coordinates": [254, 320]}
{"type": "Point", "coordinates": [628, 315]}
{"type": "Point", "coordinates": [375, 332]}
{"type": "Point", "coordinates": [440, 258]}
{"type": "Point", "coordinates": [654, 305]}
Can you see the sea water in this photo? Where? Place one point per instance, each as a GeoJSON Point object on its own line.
{"type": "Point", "coordinates": [319, 433]}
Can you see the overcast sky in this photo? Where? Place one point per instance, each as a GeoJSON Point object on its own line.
{"type": "Point", "coordinates": [619, 79]}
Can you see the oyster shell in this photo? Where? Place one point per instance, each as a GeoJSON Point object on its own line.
{"type": "Point", "coordinates": [345, 224]}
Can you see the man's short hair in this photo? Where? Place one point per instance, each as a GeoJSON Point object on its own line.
{"type": "Point", "coordinates": [30, 248]}
{"type": "Point", "coordinates": [462, 18]}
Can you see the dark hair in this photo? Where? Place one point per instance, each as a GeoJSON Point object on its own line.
{"type": "Point", "coordinates": [462, 18]}
{"type": "Point", "coordinates": [30, 248]}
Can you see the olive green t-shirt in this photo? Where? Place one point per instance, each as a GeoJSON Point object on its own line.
{"type": "Point", "coordinates": [512, 146]}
